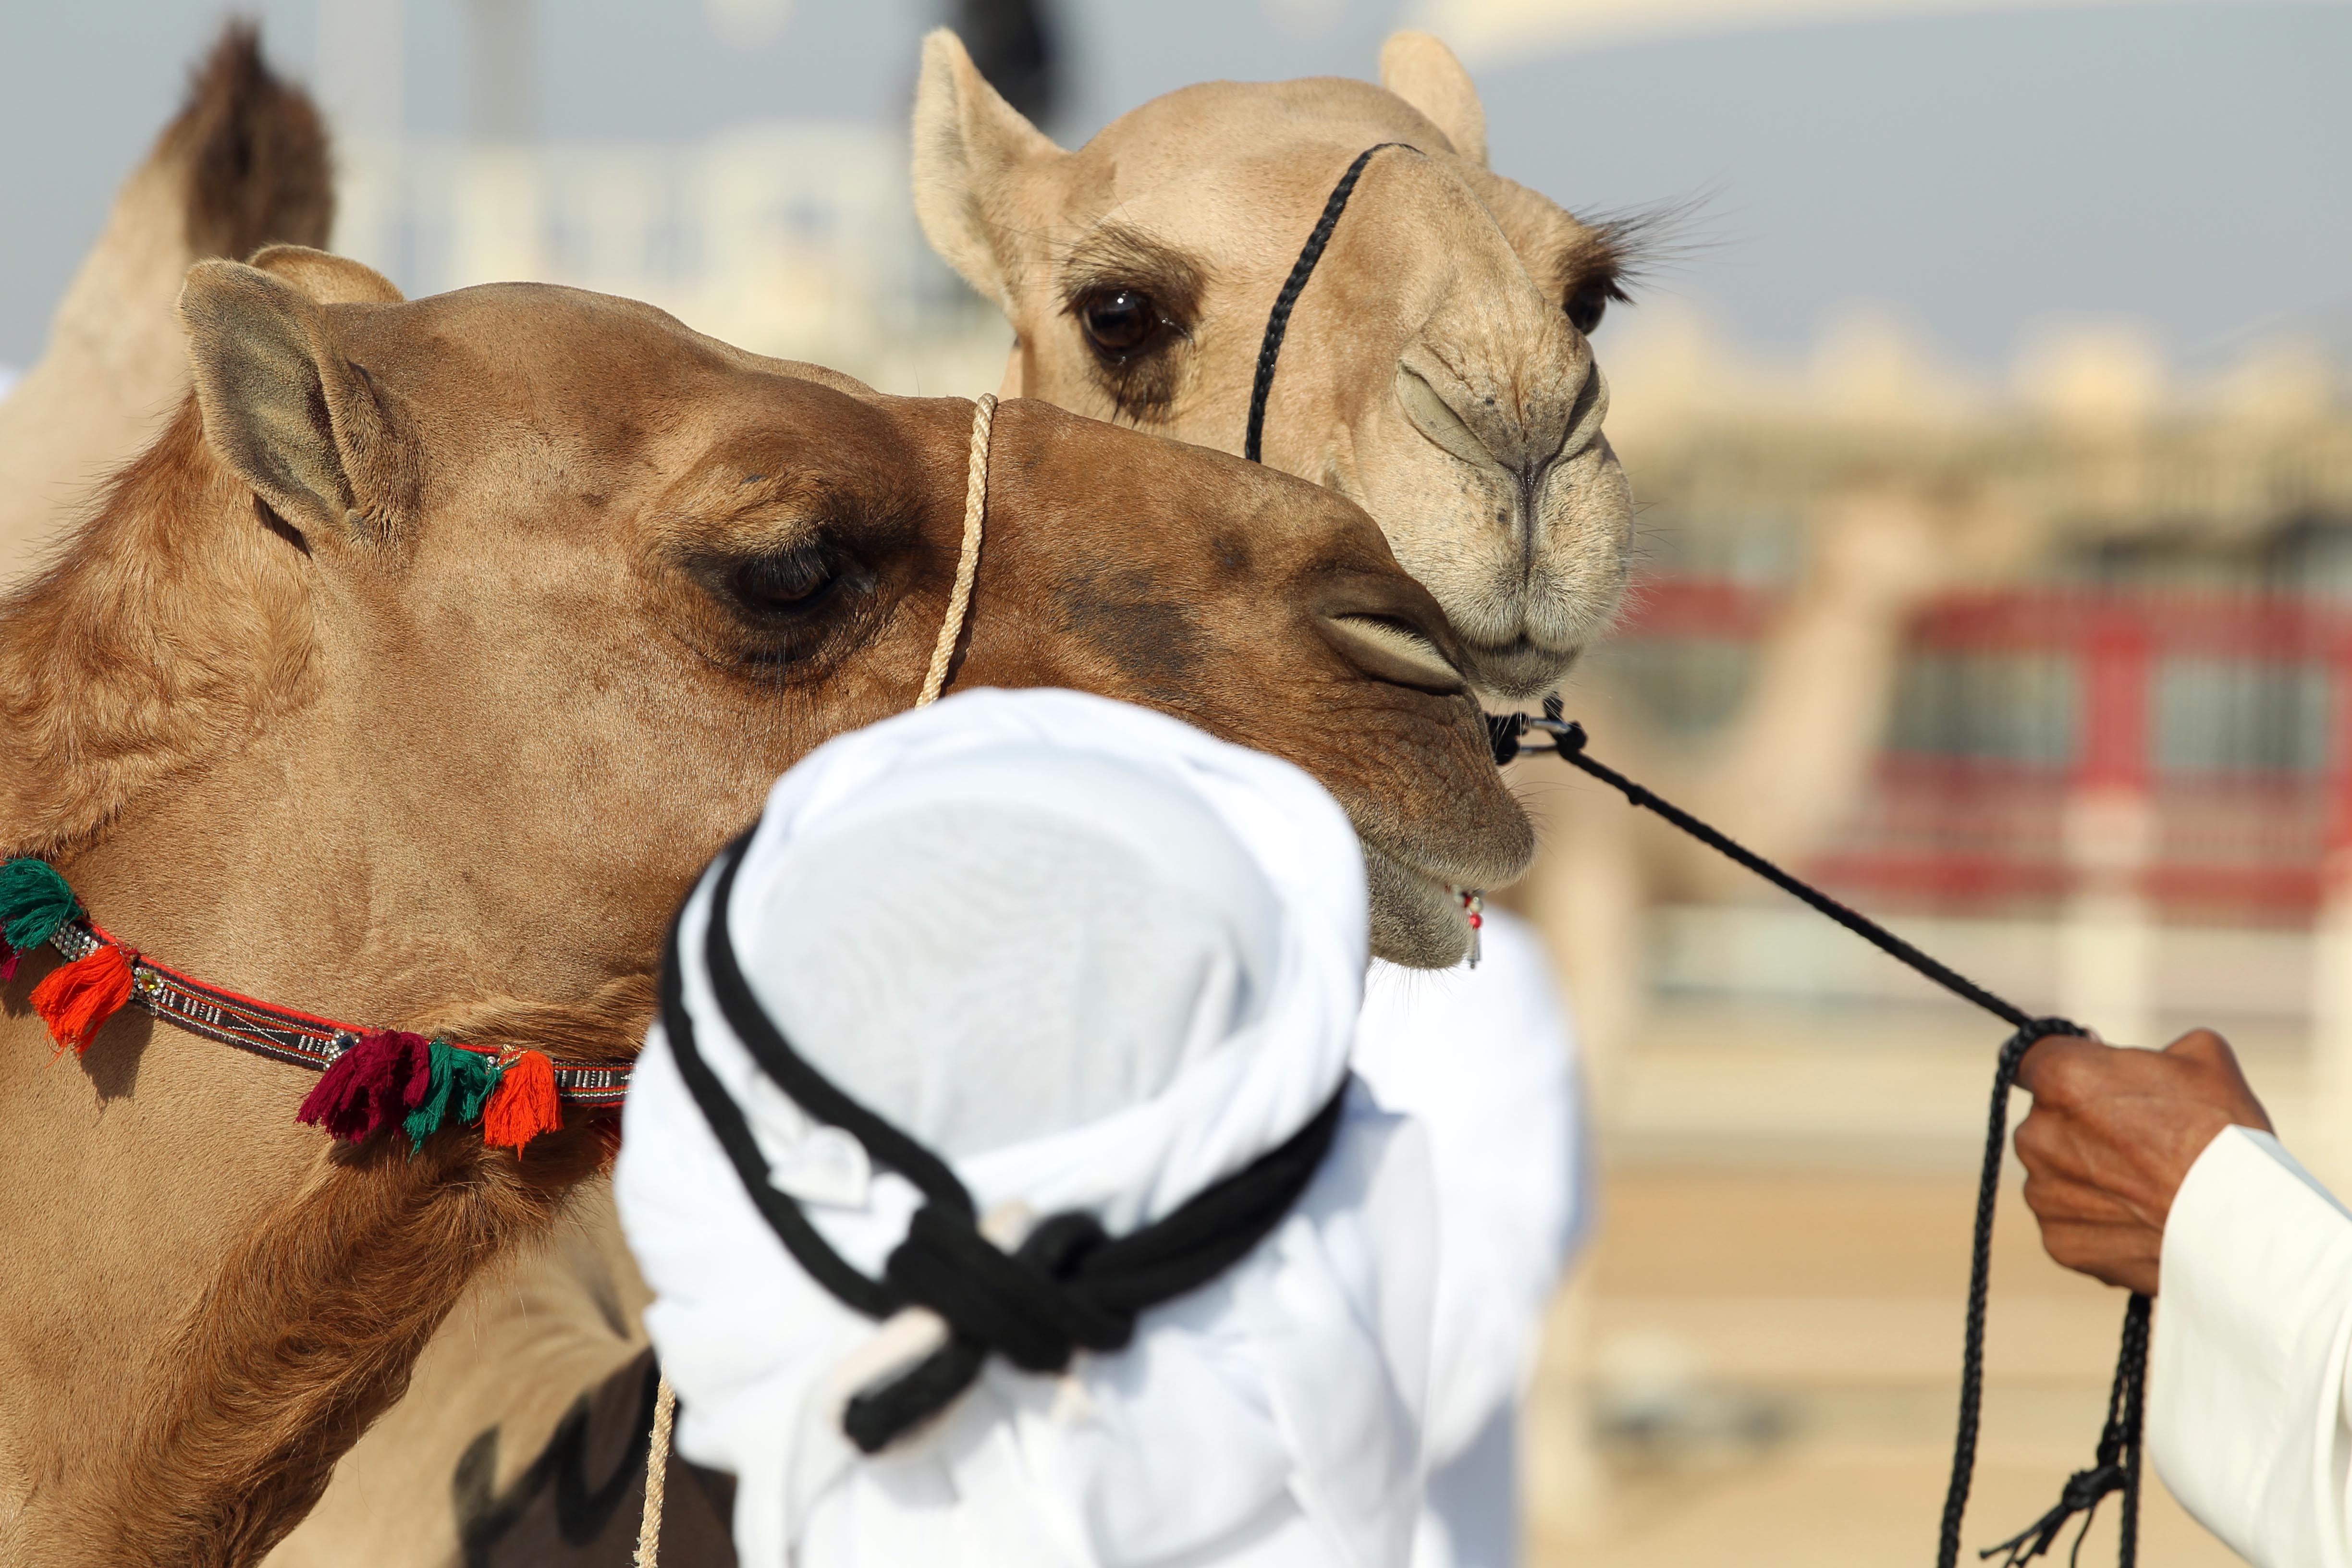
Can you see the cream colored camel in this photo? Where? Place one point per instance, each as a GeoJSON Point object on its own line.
{"type": "Point", "coordinates": [1441, 332]}
{"type": "Point", "coordinates": [1436, 370]}
{"type": "Point", "coordinates": [1137, 273]}
{"type": "Point", "coordinates": [409, 676]}
{"type": "Point", "coordinates": [243, 165]}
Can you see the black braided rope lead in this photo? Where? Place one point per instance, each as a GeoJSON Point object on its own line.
{"type": "Point", "coordinates": [2117, 1465]}
{"type": "Point", "coordinates": [1277, 321]}
{"type": "Point", "coordinates": [1964, 1439]}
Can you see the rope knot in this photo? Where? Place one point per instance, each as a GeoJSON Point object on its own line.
{"type": "Point", "coordinates": [2082, 1494]}
{"type": "Point", "coordinates": [1029, 1306]}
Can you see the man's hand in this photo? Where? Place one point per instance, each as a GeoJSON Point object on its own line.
{"type": "Point", "coordinates": [2111, 1136]}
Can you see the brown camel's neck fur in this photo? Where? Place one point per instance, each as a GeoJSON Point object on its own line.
{"type": "Point", "coordinates": [162, 639]}
{"type": "Point", "coordinates": [162, 651]}
{"type": "Point", "coordinates": [410, 678]}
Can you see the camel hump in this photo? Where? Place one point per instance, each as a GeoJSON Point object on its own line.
{"type": "Point", "coordinates": [253, 154]}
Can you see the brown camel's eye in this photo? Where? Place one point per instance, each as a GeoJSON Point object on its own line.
{"type": "Point", "coordinates": [783, 585]}
{"type": "Point", "coordinates": [1119, 321]}
{"type": "Point", "coordinates": [1589, 302]}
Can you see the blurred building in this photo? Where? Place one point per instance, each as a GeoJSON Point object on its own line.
{"type": "Point", "coordinates": [2117, 780]}
{"type": "Point", "coordinates": [797, 240]}
{"type": "Point", "coordinates": [2114, 780]}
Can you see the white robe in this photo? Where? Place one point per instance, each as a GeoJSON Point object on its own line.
{"type": "Point", "coordinates": [2250, 1413]}
{"type": "Point", "coordinates": [1486, 1061]}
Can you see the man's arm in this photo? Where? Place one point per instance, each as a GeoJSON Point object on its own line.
{"type": "Point", "coordinates": [2143, 1166]}
{"type": "Point", "coordinates": [2112, 1134]}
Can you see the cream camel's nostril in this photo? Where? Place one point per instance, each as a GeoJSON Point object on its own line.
{"type": "Point", "coordinates": [1435, 419]}
{"type": "Point", "coordinates": [1585, 418]}
{"type": "Point", "coordinates": [1394, 651]}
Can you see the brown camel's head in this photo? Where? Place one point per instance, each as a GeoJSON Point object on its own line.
{"type": "Point", "coordinates": [570, 584]}
{"type": "Point", "coordinates": [1436, 370]}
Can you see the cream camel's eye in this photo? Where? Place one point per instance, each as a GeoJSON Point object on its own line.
{"type": "Point", "coordinates": [1589, 302]}
{"type": "Point", "coordinates": [1119, 321]}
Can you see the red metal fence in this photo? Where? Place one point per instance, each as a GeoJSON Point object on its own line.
{"type": "Point", "coordinates": [2226, 714]}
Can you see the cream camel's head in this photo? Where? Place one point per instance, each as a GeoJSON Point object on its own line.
{"type": "Point", "coordinates": [1437, 367]}
{"type": "Point", "coordinates": [614, 576]}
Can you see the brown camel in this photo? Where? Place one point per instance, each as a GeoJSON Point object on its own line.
{"type": "Point", "coordinates": [410, 675]}
{"type": "Point", "coordinates": [1435, 367]}
{"type": "Point", "coordinates": [1175, 227]}
{"type": "Point", "coordinates": [244, 165]}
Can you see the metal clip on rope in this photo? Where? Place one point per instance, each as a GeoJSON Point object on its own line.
{"type": "Point", "coordinates": [2117, 1465]}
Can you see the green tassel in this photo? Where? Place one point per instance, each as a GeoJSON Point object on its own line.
{"type": "Point", "coordinates": [479, 1079]}
{"type": "Point", "coordinates": [34, 902]}
{"type": "Point", "coordinates": [464, 1076]}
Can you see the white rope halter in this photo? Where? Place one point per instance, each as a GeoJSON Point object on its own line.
{"type": "Point", "coordinates": [975, 511]}
{"type": "Point", "coordinates": [975, 507]}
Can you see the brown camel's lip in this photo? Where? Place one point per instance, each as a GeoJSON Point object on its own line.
{"type": "Point", "coordinates": [1443, 896]}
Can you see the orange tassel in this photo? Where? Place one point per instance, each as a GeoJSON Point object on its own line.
{"type": "Point", "coordinates": [524, 1104]}
{"type": "Point", "coordinates": [76, 1000]}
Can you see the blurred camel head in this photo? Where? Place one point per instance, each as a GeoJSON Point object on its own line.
{"type": "Point", "coordinates": [1437, 368]}
{"type": "Point", "coordinates": [243, 163]}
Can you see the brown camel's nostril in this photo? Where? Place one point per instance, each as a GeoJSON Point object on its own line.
{"type": "Point", "coordinates": [1390, 648]}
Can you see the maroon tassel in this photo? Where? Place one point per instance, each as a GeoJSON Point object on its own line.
{"type": "Point", "coordinates": [381, 1079]}
{"type": "Point", "coordinates": [7, 962]}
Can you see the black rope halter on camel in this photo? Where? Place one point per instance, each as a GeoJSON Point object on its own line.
{"type": "Point", "coordinates": [2117, 1465]}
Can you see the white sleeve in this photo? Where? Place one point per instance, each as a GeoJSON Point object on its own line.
{"type": "Point", "coordinates": [2247, 1392]}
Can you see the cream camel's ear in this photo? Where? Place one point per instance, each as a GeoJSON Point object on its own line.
{"type": "Point", "coordinates": [970, 147]}
{"type": "Point", "coordinates": [1422, 71]}
{"type": "Point", "coordinates": [329, 279]}
{"type": "Point", "coordinates": [283, 408]}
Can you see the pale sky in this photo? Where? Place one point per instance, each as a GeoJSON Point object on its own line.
{"type": "Point", "coordinates": [1980, 174]}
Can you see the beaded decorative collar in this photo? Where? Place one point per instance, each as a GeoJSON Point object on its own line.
{"type": "Point", "coordinates": [370, 1077]}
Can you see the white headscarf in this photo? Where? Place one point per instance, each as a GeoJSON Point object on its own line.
{"type": "Point", "coordinates": [1095, 959]}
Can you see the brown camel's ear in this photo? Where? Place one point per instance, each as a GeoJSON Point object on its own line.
{"type": "Point", "coordinates": [328, 279]}
{"type": "Point", "coordinates": [1420, 68]}
{"type": "Point", "coordinates": [307, 428]}
{"type": "Point", "coordinates": [968, 144]}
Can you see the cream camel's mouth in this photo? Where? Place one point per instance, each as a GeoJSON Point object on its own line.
{"type": "Point", "coordinates": [1520, 668]}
